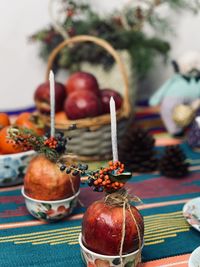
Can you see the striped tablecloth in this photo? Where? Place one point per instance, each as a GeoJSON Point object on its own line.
{"type": "Point", "coordinates": [169, 239]}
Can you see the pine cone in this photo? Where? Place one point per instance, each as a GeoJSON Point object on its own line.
{"type": "Point", "coordinates": [173, 163]}
{"type": "Point", "coordinates": [137, 152]}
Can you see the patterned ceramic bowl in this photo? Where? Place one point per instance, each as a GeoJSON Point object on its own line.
{"type": "Point", "coordinates": [50, 211]}
{"type": "Point", "coordinates": [13, 167]}
{"type": "Point", "coordinates": [92, 259]}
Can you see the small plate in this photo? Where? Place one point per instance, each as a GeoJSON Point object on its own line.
{"type": "Point", "coordinates": [191, 212]}
{"type": "Point", "coordinates": [194, 260]}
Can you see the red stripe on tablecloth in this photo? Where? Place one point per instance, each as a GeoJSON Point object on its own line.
{"type": "Point", "coordinates": [5, 189]}
{"type": "Point", "coordinates": [79, 216]}
{"type": "Point", "coordinates": [176, 261]}
{"type": "Point", "coordinates": [147, 109]}
{"type": "Point", "coordinates": [167, 141]}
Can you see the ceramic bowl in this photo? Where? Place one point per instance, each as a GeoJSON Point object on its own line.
{"type": "Point", "coordinates": [50, 211]}
{"type": "Point", "coordinates": [194, 260]}
{"type": "Point", "coordinates": [93, 259]}
{"type": "Point", "coordinates": [13, 167]}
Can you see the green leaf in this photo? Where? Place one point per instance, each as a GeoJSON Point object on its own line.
{"type": "Point", "coordinates": [122, 177]}
{"type": "Point", "coordinates": [42, 215]}
{"type": "Point", "coordinates": [47, 206]}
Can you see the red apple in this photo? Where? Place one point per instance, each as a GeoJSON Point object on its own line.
{"type": "Point", "coordinates": [80, 81]}
{"type": "Point", "coordinates": [102, 229]}
{"type": "Point", "coordinates": [82, 104]}
{"type": "Point", "coordinates": [45, 181]}
{"type": "Point", "coordinates": [42, 97]}
{"type": "Point", "coordinates": [105, 98]}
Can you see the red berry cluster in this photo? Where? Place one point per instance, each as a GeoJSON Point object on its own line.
{"type": "Point", "coordinates": [21, 140]}
{"type": "Point", "coordinates": [102, 181]}
{"type": "Point", "coordinates": [51, 147]}
{"type": "Point", "coordinates": [51, 142]}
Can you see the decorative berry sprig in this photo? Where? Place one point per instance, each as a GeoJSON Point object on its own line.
{"type": "Point", "coordinates": [74, 169]}
{"type": "Point", "coordinates": [51, 147]}
{"type": "Point", "coordinates": [108, 179]}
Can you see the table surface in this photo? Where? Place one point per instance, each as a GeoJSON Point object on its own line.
{"type": "Point", "coordinates": [169, 239]}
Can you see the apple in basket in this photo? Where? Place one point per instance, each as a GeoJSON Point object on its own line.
{"type": "Point", "coordinates": [112, 228]}
{"type": "Point", "coordinates": [105, 98]}
{"type": "Point", "coordinates": [82, 104]}
{"type": "Point", "coordinates": [80, 81]}
{"type": "Point", "coordinates": [49, 193]}
{"type": "Point", "coordinates": [42, 97]}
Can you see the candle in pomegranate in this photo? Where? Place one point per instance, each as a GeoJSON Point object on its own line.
{"type": "Point", "coordinates": [113, 129]}
{"type": "Point", "coordinates": [52, 102]}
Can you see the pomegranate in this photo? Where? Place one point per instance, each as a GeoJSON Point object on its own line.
{"type": "Point", "coordinates": [102, 228]}
{"type": "Point", "coordinates": [45, 181]}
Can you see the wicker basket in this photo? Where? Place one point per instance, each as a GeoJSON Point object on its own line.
{"type": "Point", "coordinates": [92, 138]}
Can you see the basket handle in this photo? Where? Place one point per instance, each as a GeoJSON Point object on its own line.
{"type": "Point", "coordinates": [106, 46]}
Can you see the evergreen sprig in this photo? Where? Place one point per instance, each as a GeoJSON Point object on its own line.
{"type": "Point", "coordinates": [52, 147]}
{"type": "Point", "coordinates": [124, 29]}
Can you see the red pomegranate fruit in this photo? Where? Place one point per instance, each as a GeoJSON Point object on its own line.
{"type": "Point", "coordinates": [45, 181]}
{"type": "Point", "coordinates": [102, 228]}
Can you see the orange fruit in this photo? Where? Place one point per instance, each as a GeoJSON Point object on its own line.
{"type": "Point", "coordinates": [4, 120]}
{"type": "Point", "coordinates": [61, 117]}
{"type": "Point", "coordinates": [29, 121]}
{"type": "Point", "coordinates": [7, 146]}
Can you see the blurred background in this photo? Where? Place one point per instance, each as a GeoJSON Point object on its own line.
{"type": "Point", "coordinates": [22, 68]}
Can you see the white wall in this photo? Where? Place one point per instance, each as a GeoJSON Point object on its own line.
{"type": "Point", "coordinates": [21, 70]}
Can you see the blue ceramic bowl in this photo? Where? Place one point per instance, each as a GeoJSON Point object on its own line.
{"type": "Point", "coordinates": [13, 167]}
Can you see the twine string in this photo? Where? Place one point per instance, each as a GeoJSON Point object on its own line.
{"type": "Point", "coordinates": [123, 232]}
{"type": "Point", "coordinates": [123, 199]}
{"type": "Point", "coordinates": [74, 192]}
{"type": "Point", "coordinates": [138, 231]}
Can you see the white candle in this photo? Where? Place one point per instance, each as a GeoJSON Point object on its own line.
{"type": "Point", "coordinates": [52, 102]}
{"type": "Point", "coordinates": [113, 129]}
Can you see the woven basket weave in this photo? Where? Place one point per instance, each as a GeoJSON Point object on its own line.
{"type": "Point", "coordinates": [92, 138]}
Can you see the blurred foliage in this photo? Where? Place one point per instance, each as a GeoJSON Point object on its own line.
{"type": "Point", "coordinates": [124, 29]}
